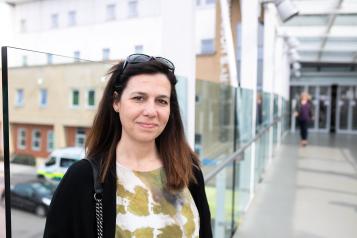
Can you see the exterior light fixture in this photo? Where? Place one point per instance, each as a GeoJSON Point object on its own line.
{"type": "Point", "coordinates": [286, 9]}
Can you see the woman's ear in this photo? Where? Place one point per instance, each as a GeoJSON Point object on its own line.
{"type": "Point", "coordinates": [116, 102]}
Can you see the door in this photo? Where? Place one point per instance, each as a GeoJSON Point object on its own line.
{"type": "Point", "coordinates": [347, 109]}
{"type": "Point", "coordinates": [323, 112]}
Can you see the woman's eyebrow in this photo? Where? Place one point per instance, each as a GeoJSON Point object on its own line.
{"type": "Point", "coordinates": [144, 94]}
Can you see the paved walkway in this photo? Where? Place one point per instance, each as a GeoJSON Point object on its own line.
{"type": "Point", "coordinates": [308, 192]}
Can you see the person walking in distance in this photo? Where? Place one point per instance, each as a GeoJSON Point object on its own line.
{"type": "Point", "coordinates": [304, 114]}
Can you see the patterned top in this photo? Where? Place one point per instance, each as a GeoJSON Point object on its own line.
{"type": "Point", "coordinates": [145, 209]}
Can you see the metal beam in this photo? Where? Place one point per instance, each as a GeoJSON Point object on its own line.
{"type": "Point", "coordinates": [330, 23]}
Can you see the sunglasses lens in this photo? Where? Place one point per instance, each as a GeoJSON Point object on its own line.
{"type": "Point", "coordinates": [166, 62]}
{"type": "Point", "coordinates": [141, 58]}
{"type": "Point", "coordinates": [138, 58]}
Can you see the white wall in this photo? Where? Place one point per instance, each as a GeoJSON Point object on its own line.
{"type": "Point", "coordinates": [6, 24]}
{"type": "Point", "coordinates": [205, 24]}
{"type": "Point", "coordinates": [178, 45]}
{"type": "Point", "coordinates": [249, 53]}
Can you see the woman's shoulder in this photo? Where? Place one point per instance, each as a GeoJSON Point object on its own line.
{"type": "Point", "coordinates": [78, 173]}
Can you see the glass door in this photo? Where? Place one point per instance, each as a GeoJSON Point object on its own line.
{"type": "Point", "coordinates": [347, 109]}
{"type": "Point", "coordinates": [353, 107]}
{"type": "Point", "coordinates": [323, 115]}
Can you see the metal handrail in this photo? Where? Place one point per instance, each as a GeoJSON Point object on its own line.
{"type": "Point", "coordinates": [237, 155]}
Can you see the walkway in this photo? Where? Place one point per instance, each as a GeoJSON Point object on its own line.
{"type": "Point", "coordinates": [308, 192]}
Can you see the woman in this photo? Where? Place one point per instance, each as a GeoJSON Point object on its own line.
{"type": "Point", "coordinates": [153, 185]}
{"type": "Point", "coordinates": [304, 114]}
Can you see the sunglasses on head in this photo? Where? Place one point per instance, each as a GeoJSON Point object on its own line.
{"type": "Point", "coordinates": [142, 58]}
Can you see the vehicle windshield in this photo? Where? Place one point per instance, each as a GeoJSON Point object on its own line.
{"type": "Point", "coordinates": [44, 189]}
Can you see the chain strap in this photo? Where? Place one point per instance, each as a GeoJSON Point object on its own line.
{"type": "Point", "coordinates": [99, 215]}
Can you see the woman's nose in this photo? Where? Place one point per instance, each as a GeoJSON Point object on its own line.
{"type": "Point", "coordinates": [150, 109]}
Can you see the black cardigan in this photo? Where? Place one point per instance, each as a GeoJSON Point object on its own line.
{"type": "Point", "coordinates": [72, 214]}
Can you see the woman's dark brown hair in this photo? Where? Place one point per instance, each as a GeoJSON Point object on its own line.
{"type": "Point", "coordinates": [177, 157]}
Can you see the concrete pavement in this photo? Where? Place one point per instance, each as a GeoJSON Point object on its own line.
{"type": "Point", "coordinates": [308, 192]}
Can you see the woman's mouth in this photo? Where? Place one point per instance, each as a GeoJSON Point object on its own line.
{"type": "Point", "coordinates": [147, 125]}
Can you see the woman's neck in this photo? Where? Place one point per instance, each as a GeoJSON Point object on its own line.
{"type": "Point", "coordinates": [138, 156]}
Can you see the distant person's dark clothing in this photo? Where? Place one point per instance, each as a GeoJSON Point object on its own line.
{"type": "Point", "coordinates": [305, 115]}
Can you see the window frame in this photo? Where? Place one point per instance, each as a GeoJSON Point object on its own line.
{"type": "Point", "coordinates": [20, 139]}
{"type": "Point", "coordinates": [72, 18]}
{"type": "Point", "coordinates": [72, 98]}
{"type": "Point", "coordinates": [54, 21]}
{"type": "Point", "coordinates": [46, 98]}
{"type": "Point", "coordinates": [35, 139]}
{"type": "Point", "coordinates": [78, 136]}
{"type": "Point", "coordinates": [50, 139]}
{"type": "Point", "coordinates": [88, 98]}
{"type": "Point", "coordinates": [19, 103]}
{"type": "Point", "coordinates": [110, 12]}
{"type": "Point", "coordinates": [210, 51]}
{"type": "Point", "coordinates": [106, 54]}
{"type": "Point", "coordinates": [133, 14]}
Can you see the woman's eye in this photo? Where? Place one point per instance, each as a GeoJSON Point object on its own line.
{"type": "Point", "coordinates": [138, 98]}
{"type": "Point", "coordinates": [162, 101]}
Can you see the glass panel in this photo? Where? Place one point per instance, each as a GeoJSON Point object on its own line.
{"type": "Point", "coordinates": [307, 21]}
{"type": "Point", "coordinates": [266, 108]}
{"type": "Point", "coordinates": [354, 108]}
{"type": "Point", "coordinates": [346, 20]}
{"type": "Point", "coordinates": [2, 180]}
{"type": "Point", "coordinates": [214, 122]}
{"type": "Point", "coordinates": [40, 108]}
{"type": "Point", "coordinates": [324, 104]}
{"type": "Point", "coordinates": [60, 78]}
{"type": "Point", "coordinates": [312, 94]}
{"type": "Point", "coordinates": [343, 105]}
{"type": "Point", "coordinates": [219, 192]}
{"type": "Point", "coordinates": [243, 179]}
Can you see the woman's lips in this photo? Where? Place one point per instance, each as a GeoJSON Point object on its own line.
{"type": "Point", "coordinates": [147, 125]}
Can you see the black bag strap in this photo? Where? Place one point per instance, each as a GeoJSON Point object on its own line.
{"type": "Point", "coordinates": [98, 196]}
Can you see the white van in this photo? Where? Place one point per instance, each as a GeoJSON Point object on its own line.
{"type": "Point", "coordinates": [59, 161]}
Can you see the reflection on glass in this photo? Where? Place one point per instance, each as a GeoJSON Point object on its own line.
{"type": "Point", "coordinates": [324, 104]}
{"type": "Point", "coordinates": [219, 192]}
{"type": "Point", "coordinates": [2, 181]}
{"type": "Point", "coordinates": [312, 92]}
{"type": "Point", "coordinates": [343, 105]}
{"type": "Point", "coordinates": [214, 122]}
{"type": "Point", "coordinates": [354, 108]}
{"type": "Point", "coordinates": [51, 105]}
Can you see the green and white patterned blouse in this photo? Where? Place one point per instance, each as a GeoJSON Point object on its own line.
{"type": "Point", "coordinates": [146, 210]}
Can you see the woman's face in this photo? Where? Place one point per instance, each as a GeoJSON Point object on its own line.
{"type": "Point", "coordinates": [144, 107]}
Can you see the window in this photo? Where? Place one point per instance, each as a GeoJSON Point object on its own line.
{"type": "Point", "coordinates": [23, 190]}
{"type": "Point", "coordinates": [24, 60]}
{"type": "Point", "coordinates": [49, 58]}
{"type": "Point", "coordinates": [77, 55]}
{"type": "Point", "coordinates": [106, 54]}
{"type": "Point", "coordinates": [72, 21]}
{"type": "Point", "coordinates": [43, 97]}
{"type": "Point", "coordinates": [21, 138]}
{"type": "Point", "coordinates": [207, 46]}
{"type": "Point", "coordinates": [91, 98]}
{"type": "Point", "coordinates": [133, 8]}
{"type": "Point", "coordinates": [19, 98]}
{"type": "Point", "coordinates": [75, 97]}
{"type": "Point", "coordinates": [66, 162]}
{"type": "Point", "coordinates": [51, 161]}
{"type": "Point", "coordinates": [210, 1]}
{"type": "Point", "coordinates": [49, 141]}
{"type": "Point", "coordinates": [36, 139]}
{"type": "Point", "coordinates": [110, 12]}
{"type": "Point", "coordinates": [54, 20]}
{"type": "Point", "coordinates": [139, 49]}
{"type": "Point", "coordinates": [23, 25]}
{"type": "Point", "coordinates": [80, 137]}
